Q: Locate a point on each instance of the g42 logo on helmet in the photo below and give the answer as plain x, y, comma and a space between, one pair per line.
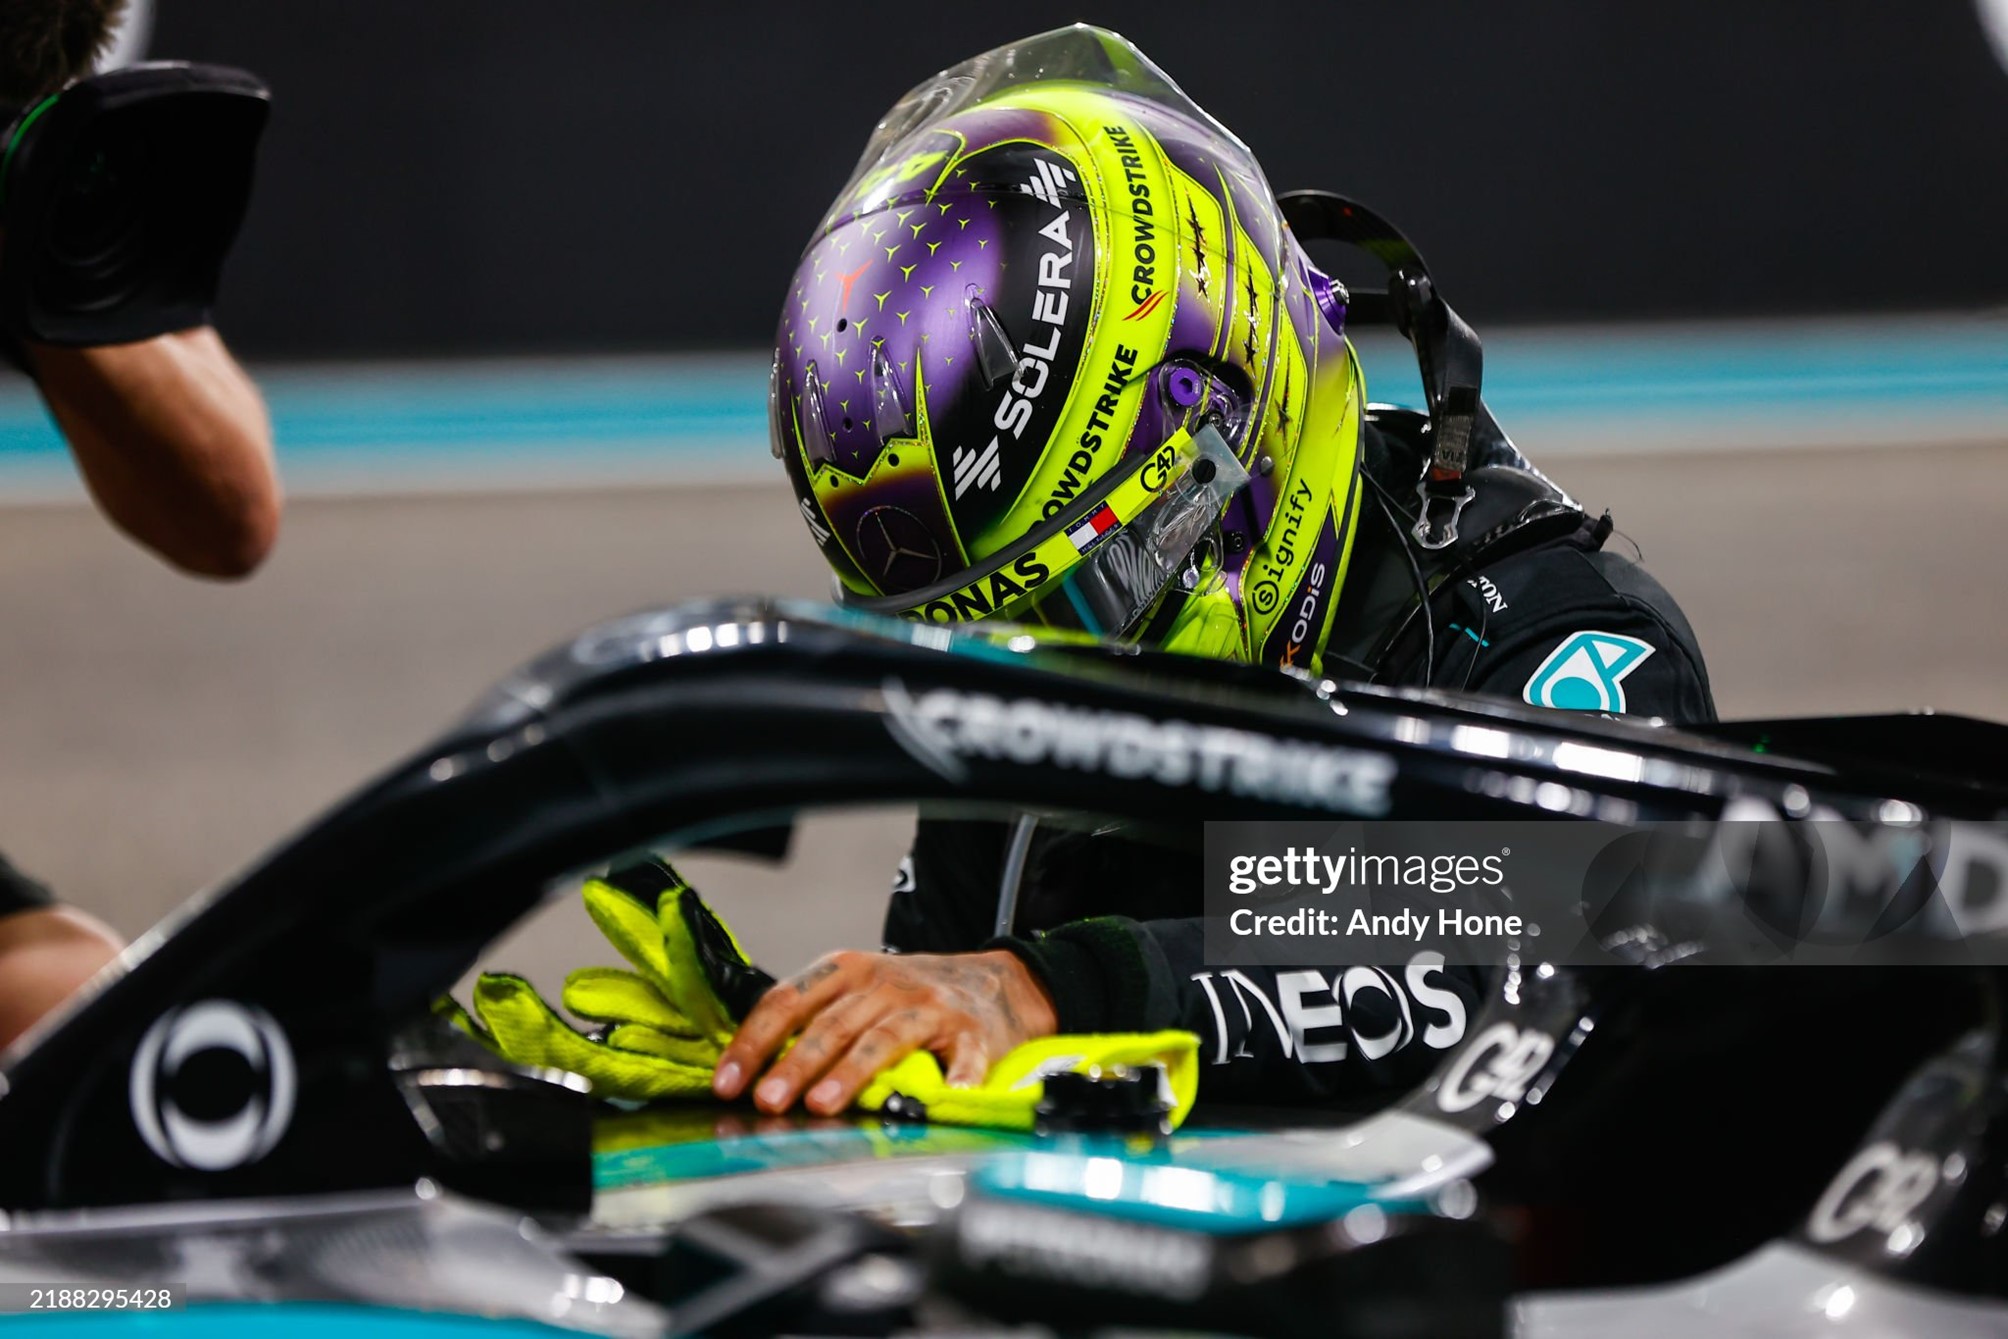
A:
230, 1061
1156, 471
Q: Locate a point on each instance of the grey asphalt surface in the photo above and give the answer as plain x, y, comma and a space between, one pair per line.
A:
157, 733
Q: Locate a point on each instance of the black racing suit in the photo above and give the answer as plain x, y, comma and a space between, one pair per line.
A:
1111, 926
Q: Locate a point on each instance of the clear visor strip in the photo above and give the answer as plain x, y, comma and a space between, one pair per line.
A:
1170, 475
1123, 576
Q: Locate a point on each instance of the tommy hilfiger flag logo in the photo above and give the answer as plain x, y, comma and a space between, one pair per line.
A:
1092, 531
1048, 184
973, 467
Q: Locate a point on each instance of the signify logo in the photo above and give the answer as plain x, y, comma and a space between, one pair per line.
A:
1283, 550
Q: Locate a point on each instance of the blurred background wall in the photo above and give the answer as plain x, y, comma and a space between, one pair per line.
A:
483, 176
1740, 270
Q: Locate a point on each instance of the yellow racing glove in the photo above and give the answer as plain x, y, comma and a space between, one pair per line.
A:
1009, 1096
662, 1025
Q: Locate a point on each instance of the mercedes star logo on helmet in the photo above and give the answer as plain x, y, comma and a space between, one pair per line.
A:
213, 1085
898, 550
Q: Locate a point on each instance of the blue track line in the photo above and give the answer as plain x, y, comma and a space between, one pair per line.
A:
469, 425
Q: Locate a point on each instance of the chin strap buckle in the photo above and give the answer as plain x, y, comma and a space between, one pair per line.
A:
1447, 352
1444, 498
1450, 359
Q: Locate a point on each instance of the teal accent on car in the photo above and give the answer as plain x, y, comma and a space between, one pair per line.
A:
257, 1320
1183, 1194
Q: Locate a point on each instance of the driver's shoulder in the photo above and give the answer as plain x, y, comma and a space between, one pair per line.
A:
1571, 625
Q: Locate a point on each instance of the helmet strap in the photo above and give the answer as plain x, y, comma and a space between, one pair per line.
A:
1447, 351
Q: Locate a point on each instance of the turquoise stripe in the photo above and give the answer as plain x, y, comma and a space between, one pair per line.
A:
642, 416
1180, 1191
292, 1320
699, 1160
1087, 617
1782, 371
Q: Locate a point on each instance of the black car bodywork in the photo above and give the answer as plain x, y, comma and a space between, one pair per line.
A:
1706, 1116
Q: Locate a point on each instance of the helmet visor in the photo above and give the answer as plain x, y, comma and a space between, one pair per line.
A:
1100, 566
1127, 568
903, 145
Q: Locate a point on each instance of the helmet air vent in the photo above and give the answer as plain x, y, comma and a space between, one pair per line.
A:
816, 435
889, 406
774, 417
995, 358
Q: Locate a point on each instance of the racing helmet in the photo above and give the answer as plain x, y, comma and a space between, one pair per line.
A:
1053, 357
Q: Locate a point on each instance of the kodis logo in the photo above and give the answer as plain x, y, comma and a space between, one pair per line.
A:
213, 1085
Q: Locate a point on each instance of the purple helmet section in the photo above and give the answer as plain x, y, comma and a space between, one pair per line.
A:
881, 373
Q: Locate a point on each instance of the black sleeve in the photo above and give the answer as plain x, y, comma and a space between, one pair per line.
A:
1266, 1034
18, 892
944, 897
1583, 631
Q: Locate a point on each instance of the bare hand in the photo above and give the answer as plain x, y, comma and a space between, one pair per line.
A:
45, 954
857, 1013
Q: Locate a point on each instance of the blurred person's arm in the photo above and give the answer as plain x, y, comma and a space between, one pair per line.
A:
45, 954
46, 951
173, 440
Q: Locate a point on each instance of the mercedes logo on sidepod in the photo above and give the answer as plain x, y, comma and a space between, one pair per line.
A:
262, 1110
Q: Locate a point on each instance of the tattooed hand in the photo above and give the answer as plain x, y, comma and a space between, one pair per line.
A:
857, 1013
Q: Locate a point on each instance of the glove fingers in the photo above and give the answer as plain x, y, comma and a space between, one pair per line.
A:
524, 1029
631, 928
692, 937
692, 1051
659, 923
610, 995
733, 985
715, 935
448, 1009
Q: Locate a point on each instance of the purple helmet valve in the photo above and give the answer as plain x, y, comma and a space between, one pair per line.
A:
1331, 297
